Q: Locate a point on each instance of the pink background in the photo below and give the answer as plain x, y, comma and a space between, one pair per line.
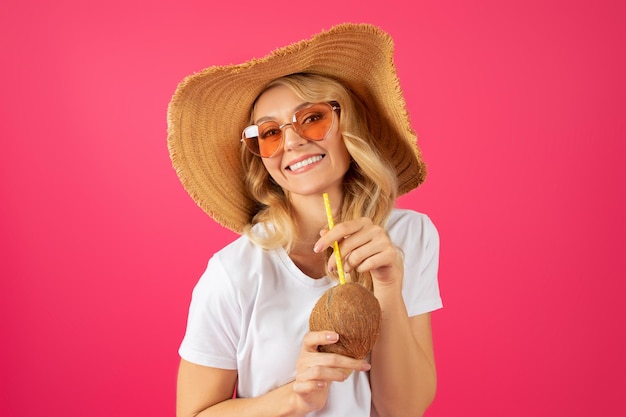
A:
520, 108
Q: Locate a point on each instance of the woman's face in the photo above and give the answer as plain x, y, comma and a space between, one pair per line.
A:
303, 167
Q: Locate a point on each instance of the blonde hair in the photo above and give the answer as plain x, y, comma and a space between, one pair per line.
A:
369, 186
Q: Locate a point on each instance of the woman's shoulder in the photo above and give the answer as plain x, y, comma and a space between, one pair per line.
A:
409, 227
403, 219
235, 260
240, 252
241, 245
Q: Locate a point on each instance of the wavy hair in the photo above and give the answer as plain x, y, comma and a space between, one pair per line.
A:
369, 185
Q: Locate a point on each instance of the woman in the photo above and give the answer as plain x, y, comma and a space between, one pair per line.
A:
323, 115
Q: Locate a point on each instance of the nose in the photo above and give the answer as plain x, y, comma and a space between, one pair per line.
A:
292, 139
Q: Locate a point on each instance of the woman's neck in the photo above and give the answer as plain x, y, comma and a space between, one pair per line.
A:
310, 216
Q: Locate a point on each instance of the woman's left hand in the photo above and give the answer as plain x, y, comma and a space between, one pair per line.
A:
364, 246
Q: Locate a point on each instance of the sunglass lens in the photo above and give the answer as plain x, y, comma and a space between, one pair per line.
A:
263, 140
314, 122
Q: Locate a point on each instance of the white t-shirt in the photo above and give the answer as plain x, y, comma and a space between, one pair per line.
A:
250, 310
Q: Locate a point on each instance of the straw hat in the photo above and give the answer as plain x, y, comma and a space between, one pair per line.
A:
210, 109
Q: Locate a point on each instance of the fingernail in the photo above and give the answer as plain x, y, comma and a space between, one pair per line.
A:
317, 247
333, 337
366, 366
321, 384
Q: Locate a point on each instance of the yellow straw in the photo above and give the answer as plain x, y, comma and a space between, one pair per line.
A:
331, 224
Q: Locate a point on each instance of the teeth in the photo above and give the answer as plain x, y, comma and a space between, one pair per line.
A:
304, 163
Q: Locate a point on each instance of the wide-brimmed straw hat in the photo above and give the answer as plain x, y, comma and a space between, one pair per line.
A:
210, 109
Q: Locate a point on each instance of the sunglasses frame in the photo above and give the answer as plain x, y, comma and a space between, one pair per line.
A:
334, 106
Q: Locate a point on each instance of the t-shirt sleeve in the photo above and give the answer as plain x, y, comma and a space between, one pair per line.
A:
213, 324
419, 239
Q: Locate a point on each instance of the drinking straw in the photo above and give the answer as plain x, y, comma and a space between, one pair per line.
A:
331, 224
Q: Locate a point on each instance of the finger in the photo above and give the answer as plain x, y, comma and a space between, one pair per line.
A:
372, 242
340, 369
377, 261
324, 373
374, 236
338, 233
370, 255
309, 386
341, 363
314, 339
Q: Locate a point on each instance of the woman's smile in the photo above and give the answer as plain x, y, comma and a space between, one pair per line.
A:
300, 164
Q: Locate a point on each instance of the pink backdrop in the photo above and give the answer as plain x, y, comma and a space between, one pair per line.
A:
520, 108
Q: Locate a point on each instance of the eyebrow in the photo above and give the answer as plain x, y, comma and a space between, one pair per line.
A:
298, 108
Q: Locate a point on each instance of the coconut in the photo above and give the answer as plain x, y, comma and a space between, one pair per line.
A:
352, 311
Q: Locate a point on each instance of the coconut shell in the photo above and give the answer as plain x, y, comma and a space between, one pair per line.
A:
352, 311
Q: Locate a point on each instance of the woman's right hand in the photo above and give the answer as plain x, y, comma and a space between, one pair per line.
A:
315, 371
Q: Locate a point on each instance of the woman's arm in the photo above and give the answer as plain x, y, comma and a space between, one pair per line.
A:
204, 392
403, 376
199, 387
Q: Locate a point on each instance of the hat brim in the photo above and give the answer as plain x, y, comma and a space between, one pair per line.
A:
210, 108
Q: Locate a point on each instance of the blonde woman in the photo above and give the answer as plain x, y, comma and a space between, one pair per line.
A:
325, 115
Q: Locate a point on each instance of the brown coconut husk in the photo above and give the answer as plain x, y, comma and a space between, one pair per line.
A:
353, 312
